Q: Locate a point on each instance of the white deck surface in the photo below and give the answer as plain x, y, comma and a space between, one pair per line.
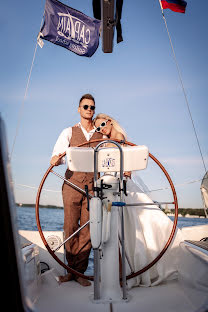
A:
71, 296
167, 297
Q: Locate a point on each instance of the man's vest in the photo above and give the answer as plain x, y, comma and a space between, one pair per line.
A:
77, 139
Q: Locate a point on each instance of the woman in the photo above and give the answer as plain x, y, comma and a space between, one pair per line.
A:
109, 127
147, 228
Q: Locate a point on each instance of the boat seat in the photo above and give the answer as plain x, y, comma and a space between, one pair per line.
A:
203, 243
25, 245
193, 269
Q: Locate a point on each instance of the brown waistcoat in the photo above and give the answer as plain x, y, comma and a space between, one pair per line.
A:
77, 139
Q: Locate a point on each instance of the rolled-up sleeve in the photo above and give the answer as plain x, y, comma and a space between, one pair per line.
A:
62, 143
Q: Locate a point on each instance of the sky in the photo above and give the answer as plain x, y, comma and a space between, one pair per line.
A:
138, 84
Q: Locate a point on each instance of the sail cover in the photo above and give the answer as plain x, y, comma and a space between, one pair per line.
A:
70, 28
204, 190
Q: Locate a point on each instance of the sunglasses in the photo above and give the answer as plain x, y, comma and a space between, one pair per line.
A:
92, 107
103, 124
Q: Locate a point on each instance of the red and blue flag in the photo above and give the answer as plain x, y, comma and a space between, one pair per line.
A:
174, 5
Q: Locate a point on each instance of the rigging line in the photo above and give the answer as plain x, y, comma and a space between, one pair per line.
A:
182, 85
23, 102
177, 185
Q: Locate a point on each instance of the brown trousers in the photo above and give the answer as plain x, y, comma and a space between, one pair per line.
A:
75, 215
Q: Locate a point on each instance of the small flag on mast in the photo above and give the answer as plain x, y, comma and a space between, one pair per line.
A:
70, 28
174, 5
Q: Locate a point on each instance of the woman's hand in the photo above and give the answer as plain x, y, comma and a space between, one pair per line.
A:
127, 174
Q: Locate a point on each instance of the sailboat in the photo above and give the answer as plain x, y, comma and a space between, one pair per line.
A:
204, 192
32, 277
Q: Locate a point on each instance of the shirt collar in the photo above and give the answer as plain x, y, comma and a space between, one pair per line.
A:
83, 129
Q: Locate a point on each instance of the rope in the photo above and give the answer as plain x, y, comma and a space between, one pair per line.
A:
25, 95
182, 85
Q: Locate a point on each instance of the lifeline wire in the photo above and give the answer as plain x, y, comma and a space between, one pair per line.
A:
36, 188
149, 191
182, 85
177, 185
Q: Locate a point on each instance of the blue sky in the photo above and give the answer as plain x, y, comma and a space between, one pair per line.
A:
137, 84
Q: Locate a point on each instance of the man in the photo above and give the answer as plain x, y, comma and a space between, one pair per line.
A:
75, 203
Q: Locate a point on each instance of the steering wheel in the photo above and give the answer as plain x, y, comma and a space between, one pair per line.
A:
134, 274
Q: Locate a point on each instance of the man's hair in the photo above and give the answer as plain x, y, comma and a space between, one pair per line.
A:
88, 97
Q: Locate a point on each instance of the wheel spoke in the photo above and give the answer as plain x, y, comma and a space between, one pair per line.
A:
150, 204
127, 257
79, 189
77, 231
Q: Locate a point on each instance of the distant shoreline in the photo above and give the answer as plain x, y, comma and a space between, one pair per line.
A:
187, 212
186, 216
182, 212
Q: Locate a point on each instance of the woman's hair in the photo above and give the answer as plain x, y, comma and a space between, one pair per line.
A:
113, 122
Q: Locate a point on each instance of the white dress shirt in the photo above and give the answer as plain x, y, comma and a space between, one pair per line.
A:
64, 139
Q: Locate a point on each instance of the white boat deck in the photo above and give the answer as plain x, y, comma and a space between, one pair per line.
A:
72, 297
187, 294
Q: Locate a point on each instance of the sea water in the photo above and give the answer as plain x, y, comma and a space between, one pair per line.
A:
51, 219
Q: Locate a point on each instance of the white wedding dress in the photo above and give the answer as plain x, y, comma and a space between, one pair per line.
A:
147, 230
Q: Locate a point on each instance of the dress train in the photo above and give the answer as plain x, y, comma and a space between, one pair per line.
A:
147, 229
